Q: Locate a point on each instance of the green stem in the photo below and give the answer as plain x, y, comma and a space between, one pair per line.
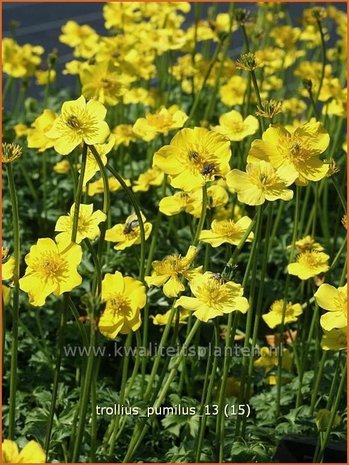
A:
138, 213
282, 325
142, 429
207, 75
334, 409
15, 307
56, 374
202, 215
78, 194
317, 382
323, 57
85, 392
208, 395
125, 364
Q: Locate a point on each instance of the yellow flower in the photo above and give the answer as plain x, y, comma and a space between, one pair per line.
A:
233, 126
124, 297
269, 359
169, 271
104, 82
7, 266
6, 294
335, 302
87, 224
226, 231
194, 157
20, 61
45, 76
97, 187
261, 182
308, 243
152, 177
21, 129
32, 452
191, 202
309, 264
161, 122
233, 92
336, 339
298, 152
92, 166
137, 95
274, 316
52, 268
123, 135
79, 122
73, 34
36, 136
161, 319
62, 167
128, 234
213, 297
84, 38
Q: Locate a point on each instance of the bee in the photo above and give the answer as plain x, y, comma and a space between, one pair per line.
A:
129, 227
194, 156
208, 168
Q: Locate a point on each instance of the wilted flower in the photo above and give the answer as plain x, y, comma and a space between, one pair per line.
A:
10, 152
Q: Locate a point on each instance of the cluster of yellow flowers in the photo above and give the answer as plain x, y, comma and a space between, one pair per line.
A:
224, 158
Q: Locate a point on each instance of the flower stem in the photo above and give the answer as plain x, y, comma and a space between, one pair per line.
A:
202, 216
78, 194
342, 382
15, 308
85, 391
282, 325
59, 355
141, 430
138, 213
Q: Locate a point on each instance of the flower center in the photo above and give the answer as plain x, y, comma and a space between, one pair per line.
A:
73, 122
52, 266
120, 305
226, 228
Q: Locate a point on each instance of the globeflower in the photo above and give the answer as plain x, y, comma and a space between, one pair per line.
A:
169, 271
7, 266
92, 166
152, 177
309, 264
335, 302
124, 298
233, 126
161, 122
194, 157
32, 452
191, 202
213, 297
274, 316
128, 234
88, 222
79, 122
36, 135
161, 319
297, 152
227, 231
97, 187
260, 182
336, 339
52, 268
